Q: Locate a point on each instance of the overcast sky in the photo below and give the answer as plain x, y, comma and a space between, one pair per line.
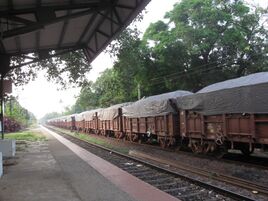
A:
41, 97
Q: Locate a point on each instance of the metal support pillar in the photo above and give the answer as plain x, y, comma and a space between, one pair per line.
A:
2, 106
4, 69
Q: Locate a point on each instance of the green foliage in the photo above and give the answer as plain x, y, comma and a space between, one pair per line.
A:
67, 69
94, 140
49, 116
15, 111
26, 135
199, 43
218, 40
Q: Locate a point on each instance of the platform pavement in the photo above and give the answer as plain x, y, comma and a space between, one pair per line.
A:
52, 172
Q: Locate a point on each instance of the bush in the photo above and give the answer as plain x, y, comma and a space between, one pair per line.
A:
11, 125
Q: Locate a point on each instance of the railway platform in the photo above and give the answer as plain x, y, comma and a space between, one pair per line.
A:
59, 170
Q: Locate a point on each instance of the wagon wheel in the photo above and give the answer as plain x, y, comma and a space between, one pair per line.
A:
128, 137
179, 144
106, 133
197, 148
220, 151
163, 143
134, 137
245, 149
116, 135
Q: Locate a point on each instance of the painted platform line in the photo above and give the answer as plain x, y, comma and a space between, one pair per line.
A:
133, 186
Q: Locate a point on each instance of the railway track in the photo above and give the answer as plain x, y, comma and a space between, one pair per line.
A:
208, 174
237, 159
231, 158
183, 187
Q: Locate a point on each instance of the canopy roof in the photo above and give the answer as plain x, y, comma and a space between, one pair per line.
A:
43, 25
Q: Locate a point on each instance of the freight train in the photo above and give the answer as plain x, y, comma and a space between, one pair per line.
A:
227, 115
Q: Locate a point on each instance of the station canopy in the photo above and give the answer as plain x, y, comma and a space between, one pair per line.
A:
40, 26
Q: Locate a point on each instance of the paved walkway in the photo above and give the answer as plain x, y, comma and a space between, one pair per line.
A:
51, 171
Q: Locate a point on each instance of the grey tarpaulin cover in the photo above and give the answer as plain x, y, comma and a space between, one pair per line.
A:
248, 94
111, 112
80, 116
88, 115
154, 105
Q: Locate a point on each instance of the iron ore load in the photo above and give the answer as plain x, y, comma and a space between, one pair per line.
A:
227, 115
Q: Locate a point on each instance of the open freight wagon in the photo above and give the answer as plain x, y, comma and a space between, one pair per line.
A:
91, 121
153, 119
228, 115
110, 122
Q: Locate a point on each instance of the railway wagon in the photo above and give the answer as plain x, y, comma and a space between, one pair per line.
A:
66, 122
110, 120
61, 122
80, 122
228, 115
70, 122
153, 118
53, 122
91, 121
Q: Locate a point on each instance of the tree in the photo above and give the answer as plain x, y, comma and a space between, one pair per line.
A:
200, 42
86, 99
15, 111
49, 116
214, 40
66, 69
133, 64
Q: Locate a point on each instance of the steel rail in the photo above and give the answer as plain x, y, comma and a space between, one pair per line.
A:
208, 174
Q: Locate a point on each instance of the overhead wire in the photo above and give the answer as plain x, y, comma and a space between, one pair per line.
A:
193, 71
197, 69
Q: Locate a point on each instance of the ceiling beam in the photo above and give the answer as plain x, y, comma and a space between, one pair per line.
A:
117, 16
112, 24
10, 4
27, 57
18, 19
37, 34
94, 32
91, 20
70, 47
34, 60
94, 4
18, 44
96, 41
111, 19
87, 54
126, 7
2, 47
103, 33
39, 25
63, 31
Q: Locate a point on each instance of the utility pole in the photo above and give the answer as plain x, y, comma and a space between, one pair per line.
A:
139, 91
10, 105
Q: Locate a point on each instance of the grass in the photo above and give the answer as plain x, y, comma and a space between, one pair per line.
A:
94, 140
27, 135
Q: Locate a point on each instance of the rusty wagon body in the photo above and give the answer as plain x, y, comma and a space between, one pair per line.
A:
153, 118
227, 115
231, 114
110, 121
91, 121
